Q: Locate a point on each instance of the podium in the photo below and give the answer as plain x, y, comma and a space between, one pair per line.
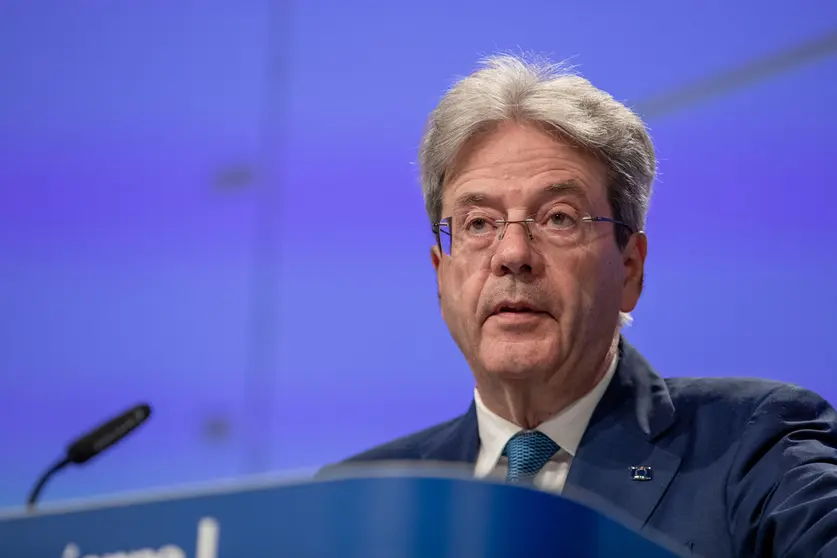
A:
362, 515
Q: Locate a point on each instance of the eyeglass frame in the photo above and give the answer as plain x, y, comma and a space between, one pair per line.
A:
438, 228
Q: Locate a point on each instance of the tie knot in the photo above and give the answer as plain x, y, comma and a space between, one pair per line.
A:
527, 453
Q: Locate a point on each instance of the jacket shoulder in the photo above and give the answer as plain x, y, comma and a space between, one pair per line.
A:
406, 448
730, 390
735, 400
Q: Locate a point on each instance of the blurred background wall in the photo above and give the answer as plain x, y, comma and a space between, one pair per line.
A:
213, 207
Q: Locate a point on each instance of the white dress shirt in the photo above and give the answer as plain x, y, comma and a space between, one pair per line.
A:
565, 429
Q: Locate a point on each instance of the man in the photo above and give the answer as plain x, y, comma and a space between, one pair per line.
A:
537, 185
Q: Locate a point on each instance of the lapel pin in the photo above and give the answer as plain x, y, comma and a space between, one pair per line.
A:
641, 473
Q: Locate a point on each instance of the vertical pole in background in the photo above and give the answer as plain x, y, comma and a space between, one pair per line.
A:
262, 364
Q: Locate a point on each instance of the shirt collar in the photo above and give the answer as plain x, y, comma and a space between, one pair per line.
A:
565, 429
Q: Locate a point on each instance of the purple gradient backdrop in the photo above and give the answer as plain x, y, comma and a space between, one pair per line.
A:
126, 274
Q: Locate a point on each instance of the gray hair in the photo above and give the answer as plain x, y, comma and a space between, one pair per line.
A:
551, 95
510, 88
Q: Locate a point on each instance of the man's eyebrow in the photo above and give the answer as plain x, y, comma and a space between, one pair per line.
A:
470, 198
569, 186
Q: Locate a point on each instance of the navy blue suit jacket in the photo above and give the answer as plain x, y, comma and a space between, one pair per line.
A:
740, 467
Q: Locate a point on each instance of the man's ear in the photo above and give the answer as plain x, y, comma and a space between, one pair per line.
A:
435, 257
633, 258
436, 260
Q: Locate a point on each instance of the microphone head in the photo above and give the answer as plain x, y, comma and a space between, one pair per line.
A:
92, 444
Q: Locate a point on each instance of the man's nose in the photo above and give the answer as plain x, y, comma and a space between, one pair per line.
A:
515, 254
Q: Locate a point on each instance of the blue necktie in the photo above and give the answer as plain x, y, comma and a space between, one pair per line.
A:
527, 453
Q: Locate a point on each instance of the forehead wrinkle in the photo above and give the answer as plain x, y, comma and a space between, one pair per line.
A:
482, 164
489, 149
525, 168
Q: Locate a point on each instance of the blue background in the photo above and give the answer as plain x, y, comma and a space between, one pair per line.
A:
214, 207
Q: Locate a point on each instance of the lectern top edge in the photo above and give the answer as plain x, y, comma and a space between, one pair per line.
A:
422, 469
163, 493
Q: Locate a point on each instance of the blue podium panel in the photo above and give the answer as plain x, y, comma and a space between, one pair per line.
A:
369, 517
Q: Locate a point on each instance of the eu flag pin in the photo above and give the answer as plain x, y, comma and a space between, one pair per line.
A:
641, 473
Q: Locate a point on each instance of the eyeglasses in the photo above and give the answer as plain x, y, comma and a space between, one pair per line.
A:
476, 235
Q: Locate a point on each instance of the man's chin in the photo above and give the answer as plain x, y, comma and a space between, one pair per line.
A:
528, 338
519, 358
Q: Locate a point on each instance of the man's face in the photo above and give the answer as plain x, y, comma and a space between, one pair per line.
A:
517, 306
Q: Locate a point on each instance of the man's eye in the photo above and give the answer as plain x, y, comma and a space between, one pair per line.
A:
561, 220
478, 225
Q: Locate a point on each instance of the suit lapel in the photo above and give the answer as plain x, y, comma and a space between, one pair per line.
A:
459, 442
624, 432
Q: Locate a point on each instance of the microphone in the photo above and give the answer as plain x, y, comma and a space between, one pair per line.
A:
93, 443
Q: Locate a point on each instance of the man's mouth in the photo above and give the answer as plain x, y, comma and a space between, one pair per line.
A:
515, 308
